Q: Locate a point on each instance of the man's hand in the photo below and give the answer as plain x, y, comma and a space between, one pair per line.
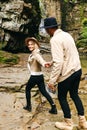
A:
48, 64
52, 87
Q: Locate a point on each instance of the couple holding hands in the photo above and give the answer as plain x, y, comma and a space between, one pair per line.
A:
66, 72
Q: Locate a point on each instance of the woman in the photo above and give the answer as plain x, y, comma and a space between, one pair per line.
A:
35, 62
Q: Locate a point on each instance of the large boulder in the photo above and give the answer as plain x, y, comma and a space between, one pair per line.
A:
18, 19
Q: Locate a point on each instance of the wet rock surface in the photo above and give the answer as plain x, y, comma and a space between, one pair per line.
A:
12, 99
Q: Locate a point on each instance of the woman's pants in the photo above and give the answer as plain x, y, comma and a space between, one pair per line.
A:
37, 80
70, 85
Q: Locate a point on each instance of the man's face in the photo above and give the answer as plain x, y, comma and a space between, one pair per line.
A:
49, 31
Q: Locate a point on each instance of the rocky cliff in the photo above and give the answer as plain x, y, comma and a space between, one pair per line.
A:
70, 14
21, 18
18, 19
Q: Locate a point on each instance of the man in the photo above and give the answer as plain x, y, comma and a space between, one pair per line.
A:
66, 72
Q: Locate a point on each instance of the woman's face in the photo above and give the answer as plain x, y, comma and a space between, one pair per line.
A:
31, 45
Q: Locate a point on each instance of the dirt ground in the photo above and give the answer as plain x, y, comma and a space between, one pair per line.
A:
12, 100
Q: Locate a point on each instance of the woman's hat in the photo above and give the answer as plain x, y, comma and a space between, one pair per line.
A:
50, 23
31, 39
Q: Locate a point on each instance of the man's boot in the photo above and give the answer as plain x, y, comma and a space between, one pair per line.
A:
66, 125
82, 122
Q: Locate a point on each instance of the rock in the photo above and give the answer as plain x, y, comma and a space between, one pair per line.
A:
11, 15
18, 19
13, 77
12, 114
34, 125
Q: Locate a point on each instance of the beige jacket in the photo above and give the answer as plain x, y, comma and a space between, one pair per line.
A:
35, 61
65, 56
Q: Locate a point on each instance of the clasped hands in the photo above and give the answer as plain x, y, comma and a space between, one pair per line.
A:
52, 87
48, 64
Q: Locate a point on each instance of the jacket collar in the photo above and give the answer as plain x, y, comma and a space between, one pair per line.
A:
57, 31
36, 50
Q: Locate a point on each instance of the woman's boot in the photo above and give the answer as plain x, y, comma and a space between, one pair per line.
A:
53, 109
28, 108
66, 125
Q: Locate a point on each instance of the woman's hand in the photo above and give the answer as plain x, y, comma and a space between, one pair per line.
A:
48, 64
52, 87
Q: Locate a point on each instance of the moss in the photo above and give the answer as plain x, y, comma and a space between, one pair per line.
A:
8, 58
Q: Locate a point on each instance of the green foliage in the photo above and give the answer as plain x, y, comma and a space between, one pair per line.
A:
70, 1
82, 41
8, 58
84, 22
83, 34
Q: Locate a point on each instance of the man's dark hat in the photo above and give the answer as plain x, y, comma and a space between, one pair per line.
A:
50, 23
